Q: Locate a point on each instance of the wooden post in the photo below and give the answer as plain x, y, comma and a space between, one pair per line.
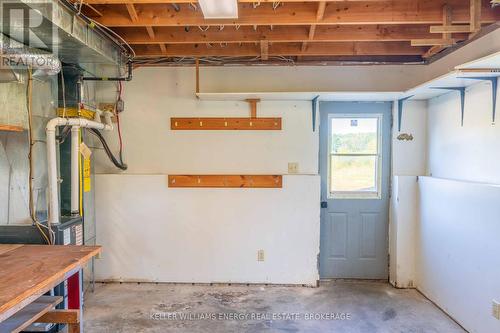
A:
197, 75
475, 16
253, 107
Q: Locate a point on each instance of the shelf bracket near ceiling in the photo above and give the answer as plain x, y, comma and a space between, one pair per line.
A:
494, 89
314, 111
462, 100
400, 110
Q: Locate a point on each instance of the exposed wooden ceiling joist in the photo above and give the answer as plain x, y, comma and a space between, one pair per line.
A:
284, 49
116, 2
314, 29
351, 33
336, 13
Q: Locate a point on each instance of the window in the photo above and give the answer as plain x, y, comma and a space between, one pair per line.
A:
354, 156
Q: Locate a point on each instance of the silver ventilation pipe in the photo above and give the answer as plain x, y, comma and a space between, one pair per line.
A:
16, 55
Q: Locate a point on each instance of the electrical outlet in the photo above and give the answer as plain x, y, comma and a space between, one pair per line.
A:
496, 309
293, 167
260, 255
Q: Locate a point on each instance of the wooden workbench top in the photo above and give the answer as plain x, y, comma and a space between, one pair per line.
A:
29, 271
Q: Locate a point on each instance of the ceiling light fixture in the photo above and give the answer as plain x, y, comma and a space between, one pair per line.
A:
219, 9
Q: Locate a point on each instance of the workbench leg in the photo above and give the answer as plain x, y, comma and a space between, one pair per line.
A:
75, 294
73, 328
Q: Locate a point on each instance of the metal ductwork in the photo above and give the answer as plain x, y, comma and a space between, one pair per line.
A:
64, 34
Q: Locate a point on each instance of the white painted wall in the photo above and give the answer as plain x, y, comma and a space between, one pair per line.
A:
153, 233
408, 162
465, 153
457, 252
410, 157
403, 223
457, 234
156, 95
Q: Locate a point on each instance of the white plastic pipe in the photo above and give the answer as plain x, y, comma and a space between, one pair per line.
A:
50, 130
75, 184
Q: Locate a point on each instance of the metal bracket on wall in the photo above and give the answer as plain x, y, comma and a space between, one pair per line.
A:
314, 111
462, 100
494, 89
400, 110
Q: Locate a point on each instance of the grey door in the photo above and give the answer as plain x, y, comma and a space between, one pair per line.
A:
355, 169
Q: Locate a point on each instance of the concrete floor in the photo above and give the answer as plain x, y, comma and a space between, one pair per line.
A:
346, 306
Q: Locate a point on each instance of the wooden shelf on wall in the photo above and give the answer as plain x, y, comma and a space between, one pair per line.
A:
10, 128
226, 181
225, 123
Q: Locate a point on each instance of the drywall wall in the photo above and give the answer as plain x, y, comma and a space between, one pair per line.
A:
153, 233
469, 152
156, 95
404, 219
308, 78
206, 235
457, 247
410, 156
408, 161
457, 234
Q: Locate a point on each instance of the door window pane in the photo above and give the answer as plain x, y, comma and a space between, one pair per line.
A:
353, 173
354, 156
354, 135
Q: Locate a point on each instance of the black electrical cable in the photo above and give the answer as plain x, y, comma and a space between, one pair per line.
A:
118, 164
64, 134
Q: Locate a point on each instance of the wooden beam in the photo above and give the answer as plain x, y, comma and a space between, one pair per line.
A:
11, 128
284, 49
69, 317
347, 33
447, 20
446, 35
253, 106
432, 42
475, 15
151, 32
312, 30
197, 69
264, 50
226, 124
383, 12
450, 28
320, 13
163, 48
117, 2
132, 12
226, 181
433, 51
60, 317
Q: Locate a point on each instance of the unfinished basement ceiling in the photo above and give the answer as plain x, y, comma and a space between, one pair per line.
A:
290, 31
